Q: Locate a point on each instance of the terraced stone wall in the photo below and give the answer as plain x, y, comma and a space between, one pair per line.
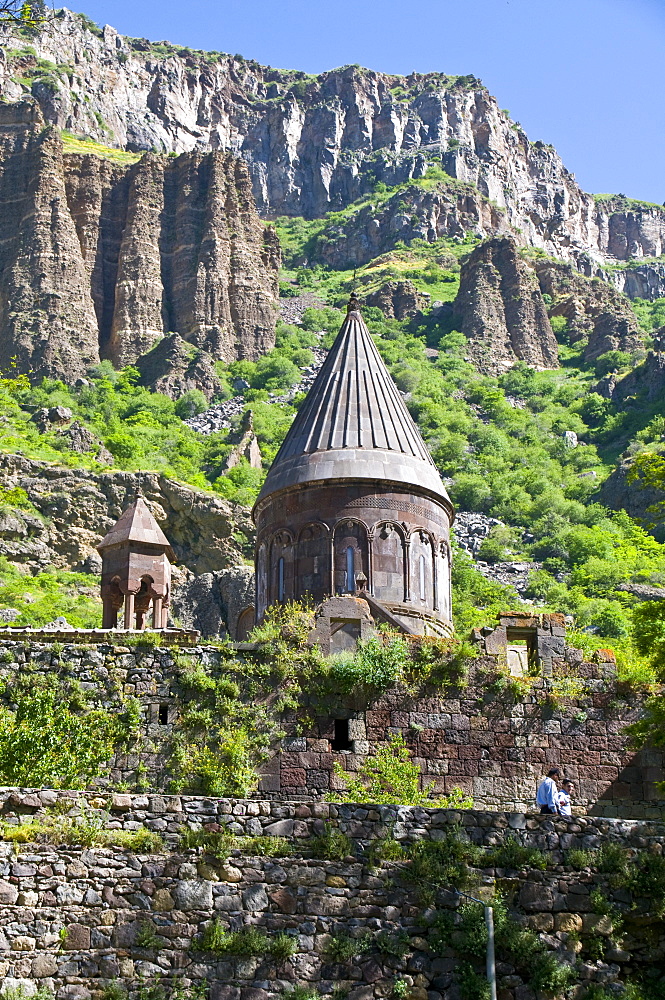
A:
74, 919
172, 815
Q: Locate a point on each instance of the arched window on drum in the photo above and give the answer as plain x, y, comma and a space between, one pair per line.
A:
281, 568
422, 570
388, 563
351, 562
313, 563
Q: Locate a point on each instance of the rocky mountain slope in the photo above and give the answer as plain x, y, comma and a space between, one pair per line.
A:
318, 142
70, 510
99, 260
500, 309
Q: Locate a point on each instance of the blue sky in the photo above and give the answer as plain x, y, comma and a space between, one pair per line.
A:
584, 75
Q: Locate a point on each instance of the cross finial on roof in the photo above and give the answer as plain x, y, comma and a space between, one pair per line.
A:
353, 304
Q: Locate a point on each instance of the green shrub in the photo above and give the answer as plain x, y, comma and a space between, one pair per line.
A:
472, 985
645, 878
512, 854
265, 846
141, 841
114, 990
549, 975
384, 849
218, 843
611, 859
87, 830
343, 948
301, 993
579, 860
45, 741
245, 943
282, 947
146, 936
442, 662
21, 993
378, 662
594, 947
387, 777
442, 864
331, 845
190, 404
394, 945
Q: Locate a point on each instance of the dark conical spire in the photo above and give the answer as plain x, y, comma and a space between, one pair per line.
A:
354, 423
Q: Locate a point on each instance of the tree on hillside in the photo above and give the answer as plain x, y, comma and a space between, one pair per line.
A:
25, 13
649, 637
648, 472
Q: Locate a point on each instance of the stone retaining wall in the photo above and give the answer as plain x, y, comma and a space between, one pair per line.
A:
172, 815
74, 920
494, 739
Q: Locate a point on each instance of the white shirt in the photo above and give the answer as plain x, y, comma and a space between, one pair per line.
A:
565, 807
548, 794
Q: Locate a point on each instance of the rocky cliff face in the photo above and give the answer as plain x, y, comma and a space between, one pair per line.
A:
595, 312
447, 209
99, 260
639, 281
501, 311
47, 319
74, 508
316, 143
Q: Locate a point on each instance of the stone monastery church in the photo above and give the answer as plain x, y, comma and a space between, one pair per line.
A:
353, 503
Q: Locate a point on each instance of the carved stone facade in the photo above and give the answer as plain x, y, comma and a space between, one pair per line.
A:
353, 503
345, 539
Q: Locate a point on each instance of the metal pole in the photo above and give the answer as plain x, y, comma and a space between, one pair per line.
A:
491, 971
489, 923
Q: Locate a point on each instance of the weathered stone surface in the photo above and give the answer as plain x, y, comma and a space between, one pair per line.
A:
255, 898
193, 895
8, 893
595, 312
398, 299
213, 602
501, 310
536, 897
284, 900
568, 922
100, 260
43, 966
78, 937
47, 319
173, 367
162, 901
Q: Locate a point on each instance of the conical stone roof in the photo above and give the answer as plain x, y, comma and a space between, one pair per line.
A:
354, 424
136, 524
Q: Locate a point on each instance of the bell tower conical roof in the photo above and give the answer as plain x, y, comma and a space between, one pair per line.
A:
354, 424
136, 524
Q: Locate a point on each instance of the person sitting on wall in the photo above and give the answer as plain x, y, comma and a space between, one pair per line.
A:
547, 796
565, 797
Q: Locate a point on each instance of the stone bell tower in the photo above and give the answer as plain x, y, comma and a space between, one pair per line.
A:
136, 569
353, 503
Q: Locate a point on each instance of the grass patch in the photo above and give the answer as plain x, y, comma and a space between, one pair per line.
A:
84, 832
83, 146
